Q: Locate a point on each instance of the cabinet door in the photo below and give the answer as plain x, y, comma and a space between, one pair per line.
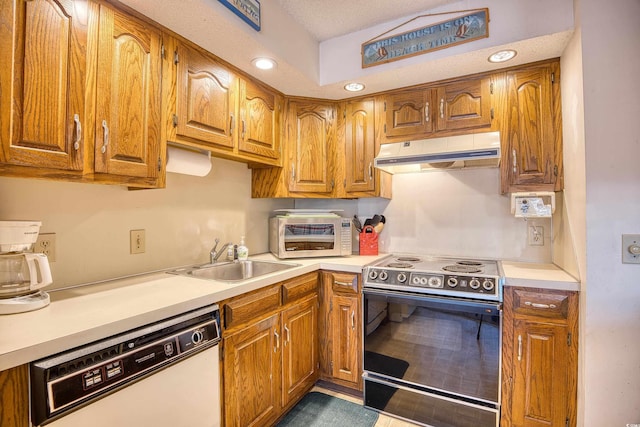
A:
311, 133
299, 349
540, 389
128, 109
408, 115
206, 98
42, 81
14, 395
464, 105
529, 137
260, 111
252, 374
344, 330
359, 146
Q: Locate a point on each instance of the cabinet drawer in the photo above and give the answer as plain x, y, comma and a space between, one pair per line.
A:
541, 303
345, 282
249, 307
299, 287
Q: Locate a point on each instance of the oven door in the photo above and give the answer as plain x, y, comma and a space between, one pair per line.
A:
425, 353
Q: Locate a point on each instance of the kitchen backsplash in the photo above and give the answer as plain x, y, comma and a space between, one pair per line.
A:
457, 212
444, 213
92, 222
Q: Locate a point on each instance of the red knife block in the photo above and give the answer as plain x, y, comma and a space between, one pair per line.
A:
368, 241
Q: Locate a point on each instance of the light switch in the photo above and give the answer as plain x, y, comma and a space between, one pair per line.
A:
631, 248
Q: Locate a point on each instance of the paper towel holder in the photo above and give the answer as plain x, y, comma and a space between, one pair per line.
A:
528, 204
196, 158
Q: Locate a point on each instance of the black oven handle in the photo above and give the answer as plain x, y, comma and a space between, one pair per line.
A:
459, 304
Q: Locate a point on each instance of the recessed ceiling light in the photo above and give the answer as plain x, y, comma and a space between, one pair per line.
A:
264, 63
502, 56
354, 87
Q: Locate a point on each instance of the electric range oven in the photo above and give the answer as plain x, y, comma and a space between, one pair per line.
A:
432, 339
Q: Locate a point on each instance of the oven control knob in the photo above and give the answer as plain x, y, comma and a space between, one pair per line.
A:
452, 282
487, 285
415, 280
373, 275
435, 282
402, 277
474, 284
384, 275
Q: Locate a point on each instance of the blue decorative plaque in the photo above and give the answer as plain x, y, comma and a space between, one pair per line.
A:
441, 35
247, 10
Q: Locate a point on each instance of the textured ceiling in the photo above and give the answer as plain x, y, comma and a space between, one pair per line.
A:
325, 19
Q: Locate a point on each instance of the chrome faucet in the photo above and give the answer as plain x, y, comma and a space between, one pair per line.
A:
214, 254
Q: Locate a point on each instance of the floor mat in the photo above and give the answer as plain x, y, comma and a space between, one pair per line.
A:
321, 410
378, 395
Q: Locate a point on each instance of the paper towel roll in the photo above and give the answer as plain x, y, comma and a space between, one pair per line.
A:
188, 162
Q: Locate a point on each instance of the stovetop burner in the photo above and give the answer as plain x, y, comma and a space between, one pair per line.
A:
469, 262
463, 268
408, 259
399, 265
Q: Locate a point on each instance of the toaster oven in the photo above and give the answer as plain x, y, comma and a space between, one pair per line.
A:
309, 236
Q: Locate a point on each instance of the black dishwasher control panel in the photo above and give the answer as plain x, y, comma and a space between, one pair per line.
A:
72, 379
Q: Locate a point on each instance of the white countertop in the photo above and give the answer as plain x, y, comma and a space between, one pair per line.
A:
81, 315
84, 314
538, 275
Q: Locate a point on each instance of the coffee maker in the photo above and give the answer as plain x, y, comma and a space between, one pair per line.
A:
22, 273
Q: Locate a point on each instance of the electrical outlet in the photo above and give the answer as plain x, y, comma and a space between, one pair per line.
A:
536, 235
46, 244
137, 241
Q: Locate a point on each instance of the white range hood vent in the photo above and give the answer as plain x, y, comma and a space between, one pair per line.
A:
453, 152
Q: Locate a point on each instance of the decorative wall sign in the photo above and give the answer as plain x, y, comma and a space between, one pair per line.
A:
441, 35
247, 10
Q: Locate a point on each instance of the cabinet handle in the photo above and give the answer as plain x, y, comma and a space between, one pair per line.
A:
275, 333
538, 305
288, 335
426, 112
105, 137
515, 165
442, 108
353, 320
370, 171
243, 129
231, 124
293, 173
76, 143
519, 348
347, 284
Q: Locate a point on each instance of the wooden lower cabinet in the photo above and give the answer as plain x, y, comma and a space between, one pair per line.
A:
14, 397
540, 348
340, 321
270, 358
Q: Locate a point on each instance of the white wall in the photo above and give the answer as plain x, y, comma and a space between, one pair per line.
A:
92, 222
458, 213
611, 298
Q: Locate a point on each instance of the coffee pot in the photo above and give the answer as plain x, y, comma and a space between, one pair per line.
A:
23, 273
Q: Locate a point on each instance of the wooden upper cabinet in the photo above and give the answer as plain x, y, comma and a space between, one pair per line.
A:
260, 110
128, 99
407, 115
206, 94
311, 137
360, 146
532, 130
42, 81
464, 105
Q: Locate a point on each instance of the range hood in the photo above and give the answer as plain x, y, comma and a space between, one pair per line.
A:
453, 152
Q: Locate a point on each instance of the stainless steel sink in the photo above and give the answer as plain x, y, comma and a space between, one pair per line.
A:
233, 271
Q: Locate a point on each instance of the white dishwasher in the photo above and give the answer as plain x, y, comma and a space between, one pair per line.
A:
162, 375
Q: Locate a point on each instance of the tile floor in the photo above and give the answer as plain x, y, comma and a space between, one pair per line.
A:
383, 420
